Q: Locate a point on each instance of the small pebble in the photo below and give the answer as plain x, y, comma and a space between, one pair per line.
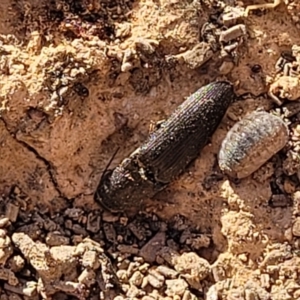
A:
12, 212
144, 282
136, 278
226, 67
122, 275
296, 227
130, 249
176, 287
149, 251
167, 272
155, 280
4, 222
133, 292
109, 217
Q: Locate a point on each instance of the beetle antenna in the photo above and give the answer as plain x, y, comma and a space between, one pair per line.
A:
109, 163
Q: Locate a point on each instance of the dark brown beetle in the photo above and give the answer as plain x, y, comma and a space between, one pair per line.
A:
168, 150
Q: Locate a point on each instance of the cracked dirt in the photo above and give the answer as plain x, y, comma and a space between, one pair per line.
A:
78, 79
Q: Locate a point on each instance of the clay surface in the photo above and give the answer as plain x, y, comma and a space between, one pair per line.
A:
78, 79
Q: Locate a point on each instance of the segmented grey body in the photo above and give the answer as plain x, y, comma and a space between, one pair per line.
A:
251, 142
168, 150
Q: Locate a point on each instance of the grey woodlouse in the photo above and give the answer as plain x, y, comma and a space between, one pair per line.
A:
168, 150
251, 142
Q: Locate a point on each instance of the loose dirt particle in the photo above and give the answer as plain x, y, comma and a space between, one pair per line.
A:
296, 227
149, 251
193, 268
176, 287
136, 278
166, 272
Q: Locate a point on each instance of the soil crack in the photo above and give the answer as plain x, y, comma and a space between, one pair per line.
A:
31, 149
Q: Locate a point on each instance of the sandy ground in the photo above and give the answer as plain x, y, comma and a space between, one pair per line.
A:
81, 78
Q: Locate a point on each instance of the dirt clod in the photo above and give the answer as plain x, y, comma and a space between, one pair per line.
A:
296, 227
